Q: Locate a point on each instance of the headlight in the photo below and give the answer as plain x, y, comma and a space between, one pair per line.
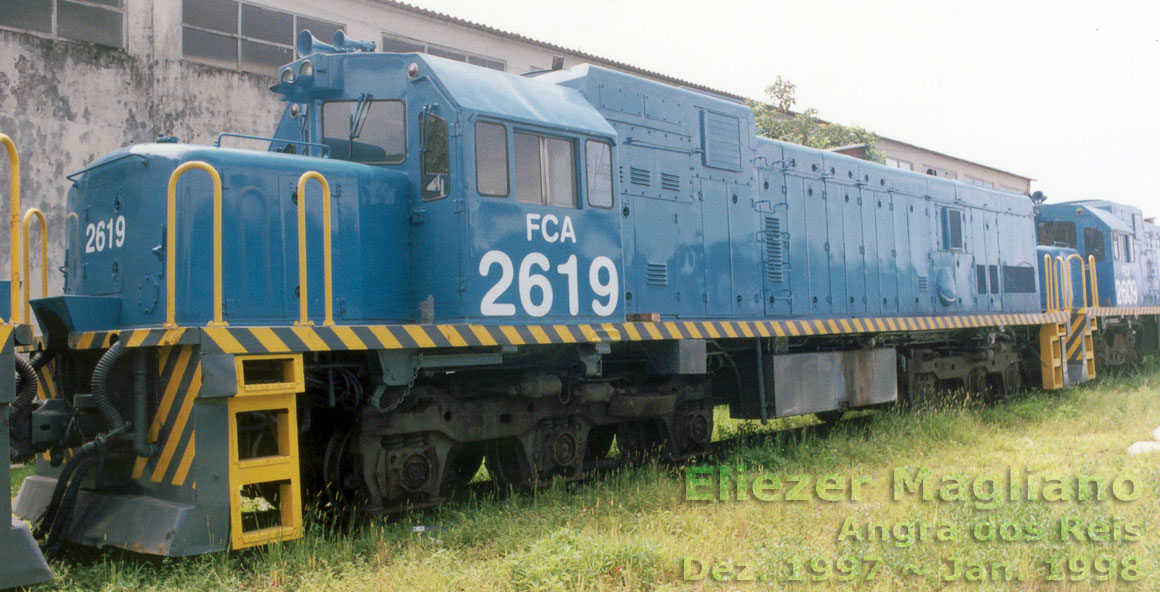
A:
288, 75
307, 69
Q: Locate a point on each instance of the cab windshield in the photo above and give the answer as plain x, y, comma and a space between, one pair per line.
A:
365, 130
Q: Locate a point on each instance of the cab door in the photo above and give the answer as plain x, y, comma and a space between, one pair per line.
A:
437, 216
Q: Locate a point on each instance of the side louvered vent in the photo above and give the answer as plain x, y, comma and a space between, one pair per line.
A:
658, 274
670, 182
923, 283
640, 176
774, 251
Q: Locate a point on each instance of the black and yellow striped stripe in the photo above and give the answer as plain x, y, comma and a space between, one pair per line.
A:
1123, 311
1077, 329
172, 428
136, 338
237, 340
6, 337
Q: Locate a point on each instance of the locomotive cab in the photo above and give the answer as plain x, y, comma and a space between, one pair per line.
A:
512, 204
1096, 233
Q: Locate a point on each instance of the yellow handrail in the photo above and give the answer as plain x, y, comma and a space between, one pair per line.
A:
1082, 275
1095, 284
14, 224
171, 244
1048, 287
43, 259
327, 287
1064, 275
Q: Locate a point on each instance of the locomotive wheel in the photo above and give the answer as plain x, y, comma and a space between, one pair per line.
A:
694, 434
462, 465
976, 382
1005, 383
640, 440
923, 388
506, 464
599, 442
341, 485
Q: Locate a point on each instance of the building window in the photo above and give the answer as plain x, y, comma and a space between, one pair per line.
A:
101, 22
545, 170
895, 163
937, 172
969, 180
244, 37
394, 44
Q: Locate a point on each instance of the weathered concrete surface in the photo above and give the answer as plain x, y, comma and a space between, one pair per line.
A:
65, 103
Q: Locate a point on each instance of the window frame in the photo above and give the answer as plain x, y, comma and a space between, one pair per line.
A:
322, 128
588, 175
507, 158
545, 181
424, 129
54, 24
1100, 252
238, 36
945, 227
1053, 227
441, 51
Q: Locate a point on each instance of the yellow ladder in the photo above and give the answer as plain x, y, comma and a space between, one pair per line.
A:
267, 385
1051, 355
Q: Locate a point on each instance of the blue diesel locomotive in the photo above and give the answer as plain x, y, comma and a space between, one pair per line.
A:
435, 265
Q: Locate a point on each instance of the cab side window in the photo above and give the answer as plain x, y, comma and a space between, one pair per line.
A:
1093, 241
436, 166
598, 158
491, 159
545, 170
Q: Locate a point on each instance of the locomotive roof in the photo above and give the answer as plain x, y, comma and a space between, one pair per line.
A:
517, 98
1105, 217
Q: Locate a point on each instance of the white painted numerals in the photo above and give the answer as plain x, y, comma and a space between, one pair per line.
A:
1127, 292
535, 289
106, 234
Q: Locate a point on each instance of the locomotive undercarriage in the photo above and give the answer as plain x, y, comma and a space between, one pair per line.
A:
980, 363
1119, 341
410, 445
389, 432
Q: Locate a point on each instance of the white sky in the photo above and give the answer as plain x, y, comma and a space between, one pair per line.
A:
1064, 91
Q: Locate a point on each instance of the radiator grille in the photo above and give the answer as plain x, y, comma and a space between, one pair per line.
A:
670, 182
657, 274
923, 283
639, 176
774, 251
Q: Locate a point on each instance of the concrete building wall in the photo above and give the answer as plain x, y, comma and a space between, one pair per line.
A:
909, 157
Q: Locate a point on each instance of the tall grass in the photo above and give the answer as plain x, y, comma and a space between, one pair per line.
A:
634, 529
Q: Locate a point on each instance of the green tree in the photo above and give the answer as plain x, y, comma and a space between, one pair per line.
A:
777, 120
